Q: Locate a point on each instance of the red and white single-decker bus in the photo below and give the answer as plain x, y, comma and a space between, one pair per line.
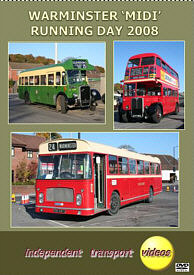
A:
80, 177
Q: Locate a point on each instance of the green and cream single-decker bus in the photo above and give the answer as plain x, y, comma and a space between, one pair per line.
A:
63, 85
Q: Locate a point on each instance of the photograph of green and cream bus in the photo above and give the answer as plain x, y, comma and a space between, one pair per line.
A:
63, 85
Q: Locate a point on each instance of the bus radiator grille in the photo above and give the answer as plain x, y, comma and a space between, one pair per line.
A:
59, 194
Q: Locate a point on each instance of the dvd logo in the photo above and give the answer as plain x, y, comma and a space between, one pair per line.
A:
182, 267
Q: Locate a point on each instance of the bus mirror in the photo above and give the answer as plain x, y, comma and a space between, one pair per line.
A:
98, 160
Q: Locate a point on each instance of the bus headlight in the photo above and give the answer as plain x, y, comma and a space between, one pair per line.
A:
41, 197
75, 95
78, 199
94, 93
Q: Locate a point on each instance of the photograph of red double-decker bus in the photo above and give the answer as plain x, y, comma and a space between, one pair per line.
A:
150, 89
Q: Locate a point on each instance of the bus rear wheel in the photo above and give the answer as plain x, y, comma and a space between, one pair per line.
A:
157, 115
61, 104
114, 204
151, 196
27, 98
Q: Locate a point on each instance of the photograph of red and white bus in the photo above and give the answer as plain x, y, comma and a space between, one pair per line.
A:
150, 89
80, 177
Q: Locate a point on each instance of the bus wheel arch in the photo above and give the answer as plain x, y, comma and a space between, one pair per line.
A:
27, 98
61, 103
151, 195
115, 203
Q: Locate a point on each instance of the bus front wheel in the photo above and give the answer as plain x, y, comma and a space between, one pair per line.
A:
114, 204
157, 115
151, 196
27, 98
92, 106
61, 104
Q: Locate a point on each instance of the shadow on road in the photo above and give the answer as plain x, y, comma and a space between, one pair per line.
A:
30, 209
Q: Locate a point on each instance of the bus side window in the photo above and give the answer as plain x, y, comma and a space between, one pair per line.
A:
36, 80
158, 61
64, 82
165, 91
157, 169
22, 80
58, 78
146, 167
43, 79
152, 168
31, 80
169, 92
26, 80
140, 167
113, 169
51, 79
123, 167
132, 166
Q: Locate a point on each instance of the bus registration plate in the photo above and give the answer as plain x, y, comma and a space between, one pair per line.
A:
55, 210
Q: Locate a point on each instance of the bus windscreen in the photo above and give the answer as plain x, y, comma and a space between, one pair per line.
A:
66, 166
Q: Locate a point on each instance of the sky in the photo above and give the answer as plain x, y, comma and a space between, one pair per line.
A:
172, 52
94, 52
149, 143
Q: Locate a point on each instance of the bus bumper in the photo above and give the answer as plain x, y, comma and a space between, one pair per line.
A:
63, 210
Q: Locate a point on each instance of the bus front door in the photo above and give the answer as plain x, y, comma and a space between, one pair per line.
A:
99, 181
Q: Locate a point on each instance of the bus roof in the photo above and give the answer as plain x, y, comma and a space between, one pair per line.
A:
89, 146
67, 65
148, 55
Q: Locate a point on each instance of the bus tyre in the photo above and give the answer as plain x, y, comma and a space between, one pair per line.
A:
157, 115
125, 117
151, 196
176, 109
92, 106
27, 98
114, 204
61, 104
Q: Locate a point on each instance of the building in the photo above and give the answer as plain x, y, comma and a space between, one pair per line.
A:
97, 81
15, 69
24, 147
170, 169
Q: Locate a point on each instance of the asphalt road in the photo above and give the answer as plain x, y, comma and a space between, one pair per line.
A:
163, 212
39, 113
170, 121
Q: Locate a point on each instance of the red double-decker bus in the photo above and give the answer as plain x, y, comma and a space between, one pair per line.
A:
150, 88
84, 178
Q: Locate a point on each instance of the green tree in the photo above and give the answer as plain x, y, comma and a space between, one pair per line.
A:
127, 147
22, 172
49, 136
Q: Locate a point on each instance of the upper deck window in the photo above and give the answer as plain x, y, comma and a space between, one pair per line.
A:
148, 60
158, 61
134, 62
163, 66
